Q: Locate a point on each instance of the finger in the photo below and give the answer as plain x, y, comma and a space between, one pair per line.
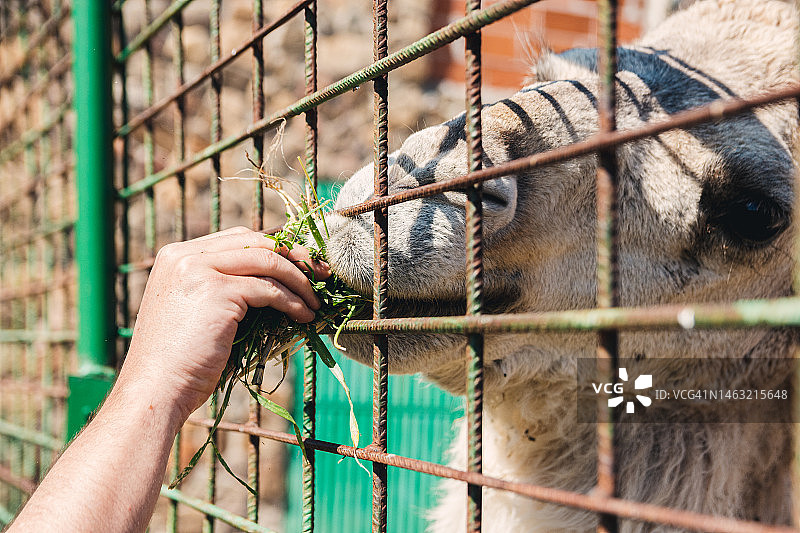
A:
183, 248
265, 263
269, 292
299, 255
236, 230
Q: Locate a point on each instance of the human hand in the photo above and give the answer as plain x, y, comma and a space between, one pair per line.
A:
196, 294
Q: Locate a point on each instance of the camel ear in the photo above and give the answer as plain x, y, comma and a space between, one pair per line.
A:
578, 63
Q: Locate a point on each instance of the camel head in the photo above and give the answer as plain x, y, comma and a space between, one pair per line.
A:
704, 213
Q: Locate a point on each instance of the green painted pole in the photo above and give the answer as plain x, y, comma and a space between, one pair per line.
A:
94, 167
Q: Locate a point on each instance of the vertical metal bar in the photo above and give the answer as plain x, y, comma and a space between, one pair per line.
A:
607, 290
124, 180
179, 127
796, 376
216, 135
26, 418
65, 141
309, 432
94, 250
16, 408
48, 264
254, 416
380, 387
258, 112
474, 269
310, 18
149, 137
216, 127
310, 359
180, 218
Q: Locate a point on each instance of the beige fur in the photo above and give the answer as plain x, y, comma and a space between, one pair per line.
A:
676, 245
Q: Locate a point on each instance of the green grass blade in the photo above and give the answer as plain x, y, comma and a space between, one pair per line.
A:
281, 412
227, 468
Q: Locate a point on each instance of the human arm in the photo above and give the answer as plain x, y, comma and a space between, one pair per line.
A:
108, 479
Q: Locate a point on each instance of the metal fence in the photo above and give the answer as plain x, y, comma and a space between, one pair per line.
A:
36, 245
37, 217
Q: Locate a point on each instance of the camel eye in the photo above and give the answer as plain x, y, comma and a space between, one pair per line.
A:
753, 220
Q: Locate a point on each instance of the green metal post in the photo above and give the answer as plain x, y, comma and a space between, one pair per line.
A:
94, 231
94, 236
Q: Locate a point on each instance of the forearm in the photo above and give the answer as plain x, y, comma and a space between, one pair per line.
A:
109, 477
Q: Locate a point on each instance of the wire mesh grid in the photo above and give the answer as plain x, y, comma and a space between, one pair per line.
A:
135, 142
37, 214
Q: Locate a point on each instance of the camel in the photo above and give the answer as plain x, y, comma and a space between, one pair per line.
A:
704, 216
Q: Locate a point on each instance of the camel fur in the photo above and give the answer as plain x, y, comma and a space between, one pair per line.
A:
704, 216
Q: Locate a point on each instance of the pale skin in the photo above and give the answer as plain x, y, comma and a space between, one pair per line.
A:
109, 478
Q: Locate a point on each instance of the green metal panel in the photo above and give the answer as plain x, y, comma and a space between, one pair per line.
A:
420, 425
85, 396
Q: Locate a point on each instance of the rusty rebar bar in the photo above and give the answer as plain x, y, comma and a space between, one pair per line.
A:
607, 294
717, 110
254, 409
474, 271
397, 59
380, 292
213, 68
309, 421
641, 512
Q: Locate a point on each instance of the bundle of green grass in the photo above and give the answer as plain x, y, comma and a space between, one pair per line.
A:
269, 336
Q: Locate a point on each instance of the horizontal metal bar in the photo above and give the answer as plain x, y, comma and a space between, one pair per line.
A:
209, 509
780, 312
46, 30
36, 288
623, 508
6, 516
24, 484
28, 435
35, 389
59, 68
162, 104
32, 135
26, 335
151, 29
46, 230
12, 198
144, 264
125, 333
716, 110
427, 44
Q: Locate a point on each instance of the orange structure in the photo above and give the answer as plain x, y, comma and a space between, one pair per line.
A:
510, 45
